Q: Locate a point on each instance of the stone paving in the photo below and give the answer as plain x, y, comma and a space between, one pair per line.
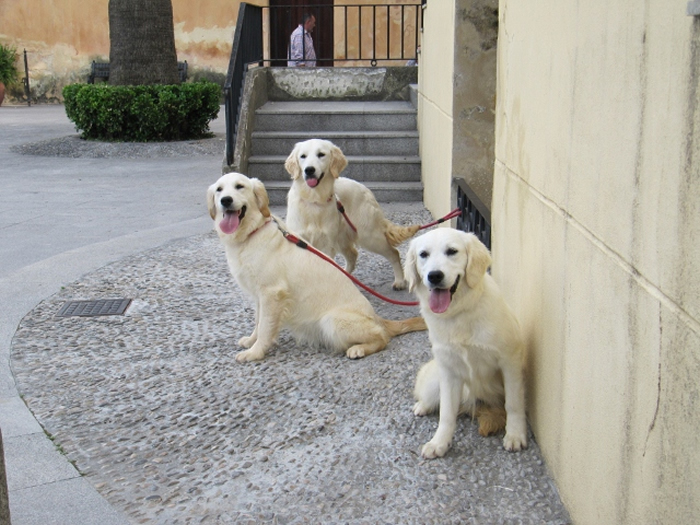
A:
152, 408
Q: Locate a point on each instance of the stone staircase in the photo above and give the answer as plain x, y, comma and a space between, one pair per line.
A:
379, 139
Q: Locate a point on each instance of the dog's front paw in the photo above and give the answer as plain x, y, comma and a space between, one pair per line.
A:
399, 285
246, 342
514, 442
420, 409
434, 449
249, 355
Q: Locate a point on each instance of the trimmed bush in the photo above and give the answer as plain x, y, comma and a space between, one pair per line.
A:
151, 113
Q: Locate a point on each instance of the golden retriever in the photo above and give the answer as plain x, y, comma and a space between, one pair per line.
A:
476, 342
315, 166
292, 287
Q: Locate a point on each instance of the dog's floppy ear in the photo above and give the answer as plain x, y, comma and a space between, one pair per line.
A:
338, 161
410, 269
261, 197
478, 260
292, 163
211, 200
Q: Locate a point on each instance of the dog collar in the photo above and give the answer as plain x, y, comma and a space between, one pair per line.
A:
259, 228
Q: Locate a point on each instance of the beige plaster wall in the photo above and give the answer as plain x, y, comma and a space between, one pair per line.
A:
63, 37
435, 103
595, 220
398, 23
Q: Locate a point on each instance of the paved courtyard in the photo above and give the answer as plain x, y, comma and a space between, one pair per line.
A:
147, 418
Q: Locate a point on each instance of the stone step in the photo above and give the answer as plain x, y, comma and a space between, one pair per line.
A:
363, 169
321, 116
383, 191
391, 143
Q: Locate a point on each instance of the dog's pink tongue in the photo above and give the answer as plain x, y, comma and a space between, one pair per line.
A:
440, 300
229, 223
312, 183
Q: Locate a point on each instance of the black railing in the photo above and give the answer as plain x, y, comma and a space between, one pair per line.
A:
475, 216
350, 35
247, 49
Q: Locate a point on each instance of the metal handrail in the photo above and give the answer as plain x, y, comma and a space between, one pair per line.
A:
402, 43
247, 49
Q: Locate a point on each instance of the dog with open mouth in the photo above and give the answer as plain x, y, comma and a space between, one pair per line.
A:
319, 196
292, 287
478, 350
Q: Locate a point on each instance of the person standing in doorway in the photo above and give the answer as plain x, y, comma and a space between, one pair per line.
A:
301, 48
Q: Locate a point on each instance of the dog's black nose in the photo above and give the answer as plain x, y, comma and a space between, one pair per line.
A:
226, 201
310, 170
435, 277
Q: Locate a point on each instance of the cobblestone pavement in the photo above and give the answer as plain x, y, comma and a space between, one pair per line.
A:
153, 409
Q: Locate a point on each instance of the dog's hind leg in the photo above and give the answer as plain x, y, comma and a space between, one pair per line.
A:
395, 260
516, 422
357, 334
350, 256
364, 349
391, 254
427, 389
271, 307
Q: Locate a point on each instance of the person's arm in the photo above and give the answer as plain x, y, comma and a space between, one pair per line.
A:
296, 48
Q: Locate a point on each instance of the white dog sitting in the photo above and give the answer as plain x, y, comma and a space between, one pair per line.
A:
477, 346
313, 214
292, 287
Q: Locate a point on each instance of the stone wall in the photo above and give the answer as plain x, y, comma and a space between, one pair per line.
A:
475, 53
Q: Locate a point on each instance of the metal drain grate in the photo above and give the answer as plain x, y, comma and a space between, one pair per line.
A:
94, 308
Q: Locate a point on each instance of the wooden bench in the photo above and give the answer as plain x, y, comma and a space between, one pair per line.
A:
101, 70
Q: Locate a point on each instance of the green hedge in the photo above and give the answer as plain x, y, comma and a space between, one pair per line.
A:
150, 113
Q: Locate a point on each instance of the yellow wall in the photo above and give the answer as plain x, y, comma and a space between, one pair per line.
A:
595, 226
62, 37
375, 21
435, 100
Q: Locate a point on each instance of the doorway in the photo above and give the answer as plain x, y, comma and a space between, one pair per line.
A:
285, 16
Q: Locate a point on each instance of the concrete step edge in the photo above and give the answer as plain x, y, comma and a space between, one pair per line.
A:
340, 108
334, 134
394, 159
276, 185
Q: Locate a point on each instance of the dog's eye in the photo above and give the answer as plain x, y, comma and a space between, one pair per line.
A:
321, 155
219, 189
450, 252
239, 186
423, 254
302, 156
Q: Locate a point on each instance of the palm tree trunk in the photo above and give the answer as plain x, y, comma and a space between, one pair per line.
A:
142, 43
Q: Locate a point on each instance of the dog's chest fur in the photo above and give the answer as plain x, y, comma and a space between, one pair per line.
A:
250, 262
318, 223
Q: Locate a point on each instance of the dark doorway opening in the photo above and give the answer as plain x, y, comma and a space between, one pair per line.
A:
285, 16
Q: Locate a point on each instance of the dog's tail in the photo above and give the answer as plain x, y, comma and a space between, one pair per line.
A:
491, 419
412, 324
396, 234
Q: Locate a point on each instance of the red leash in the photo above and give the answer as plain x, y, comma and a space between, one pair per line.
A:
454, 213
341, 209
301, 244
306, 246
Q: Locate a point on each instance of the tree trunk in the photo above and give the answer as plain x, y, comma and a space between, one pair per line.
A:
142, 43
